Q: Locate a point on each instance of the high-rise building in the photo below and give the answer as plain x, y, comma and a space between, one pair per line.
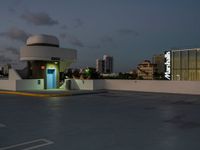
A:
108, 61
100, 65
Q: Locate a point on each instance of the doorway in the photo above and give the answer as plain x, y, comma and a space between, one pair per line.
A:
51, 78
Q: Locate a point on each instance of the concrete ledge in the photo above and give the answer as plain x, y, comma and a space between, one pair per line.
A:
35, 94
56, 93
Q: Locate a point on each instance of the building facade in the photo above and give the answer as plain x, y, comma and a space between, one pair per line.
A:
146, 70
108, 64
100, 65
105, 65
184, 64
159, 61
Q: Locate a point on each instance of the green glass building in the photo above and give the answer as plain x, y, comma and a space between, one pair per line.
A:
185, 64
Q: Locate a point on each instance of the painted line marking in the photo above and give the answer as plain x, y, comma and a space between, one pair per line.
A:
2, 125
45, 143
36, 94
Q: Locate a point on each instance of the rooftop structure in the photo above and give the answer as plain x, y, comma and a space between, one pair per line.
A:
46, 60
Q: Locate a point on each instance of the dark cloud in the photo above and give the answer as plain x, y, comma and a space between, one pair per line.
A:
13, 50
63, 35
72, 40
39, 18
12, 10
4, 59
106, 39
15, 34
78, 23
15, 6
127, 32
10, 55
94, 46
64, 27
76, 42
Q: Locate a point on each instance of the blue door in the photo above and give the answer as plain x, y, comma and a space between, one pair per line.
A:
51, 78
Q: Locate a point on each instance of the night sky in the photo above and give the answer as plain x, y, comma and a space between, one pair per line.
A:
128, 30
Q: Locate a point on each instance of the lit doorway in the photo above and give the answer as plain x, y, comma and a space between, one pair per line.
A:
51, 78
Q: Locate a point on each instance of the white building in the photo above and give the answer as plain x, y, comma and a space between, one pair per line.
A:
46, 60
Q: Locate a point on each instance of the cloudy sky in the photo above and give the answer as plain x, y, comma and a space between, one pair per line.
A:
128, 30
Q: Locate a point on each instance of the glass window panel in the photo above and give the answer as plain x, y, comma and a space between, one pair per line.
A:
184, 74
176, 59
192, 59
176, 74
198, 74
184, 59
198, 59
192, 74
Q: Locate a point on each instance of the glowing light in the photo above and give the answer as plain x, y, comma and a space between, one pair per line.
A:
168, 65
42, 67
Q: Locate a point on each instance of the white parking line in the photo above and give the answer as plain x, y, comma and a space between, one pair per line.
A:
2, 125
46, 142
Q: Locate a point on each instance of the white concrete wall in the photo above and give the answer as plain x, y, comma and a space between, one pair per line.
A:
13, 75
8, 85
29, 84
81, 84
99, 84
184, 87
87, 84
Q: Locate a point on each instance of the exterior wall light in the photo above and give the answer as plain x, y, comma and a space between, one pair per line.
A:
42, 67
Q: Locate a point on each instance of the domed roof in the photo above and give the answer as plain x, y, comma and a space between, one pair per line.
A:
42, 40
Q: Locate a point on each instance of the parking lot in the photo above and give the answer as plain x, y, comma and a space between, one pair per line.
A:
105, 121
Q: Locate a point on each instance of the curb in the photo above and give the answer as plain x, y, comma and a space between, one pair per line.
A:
35, 94
51, 94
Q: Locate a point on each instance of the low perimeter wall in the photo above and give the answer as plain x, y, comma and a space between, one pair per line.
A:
183, 87
22, 85
8, 85
29, 84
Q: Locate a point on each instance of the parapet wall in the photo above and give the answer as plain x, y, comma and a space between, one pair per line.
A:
182, 87
8, 85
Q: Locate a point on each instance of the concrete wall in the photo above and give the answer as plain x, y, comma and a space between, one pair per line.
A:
81, 84
8, 85
22, 85
87, 84
29, 84
184, 87
99, 84
13, 75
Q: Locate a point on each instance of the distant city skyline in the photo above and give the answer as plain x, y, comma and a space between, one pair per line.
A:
128, 30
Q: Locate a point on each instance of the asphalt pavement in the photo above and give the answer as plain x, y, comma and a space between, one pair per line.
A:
111, 120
